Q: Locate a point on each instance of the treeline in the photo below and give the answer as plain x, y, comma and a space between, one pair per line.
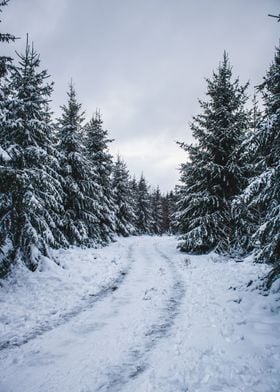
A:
59, 183
229, 199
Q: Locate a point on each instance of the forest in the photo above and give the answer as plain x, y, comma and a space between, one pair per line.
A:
60, 185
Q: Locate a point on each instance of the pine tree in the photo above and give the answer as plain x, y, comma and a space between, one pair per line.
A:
133, 186
262, 196
157, 212
172, 199
97, 149
246, 220
124, 213
166, 220
7, 178
81, 208
31, 218
7, 174
213, 175
143, 208
5, 37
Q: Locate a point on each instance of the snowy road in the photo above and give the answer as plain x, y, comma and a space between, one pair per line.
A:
173, 323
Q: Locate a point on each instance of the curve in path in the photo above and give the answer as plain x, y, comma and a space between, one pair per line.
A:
107, 345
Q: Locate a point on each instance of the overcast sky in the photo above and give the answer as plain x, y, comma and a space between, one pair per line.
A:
144, 63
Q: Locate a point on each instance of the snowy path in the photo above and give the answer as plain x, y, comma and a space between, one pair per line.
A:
169, 325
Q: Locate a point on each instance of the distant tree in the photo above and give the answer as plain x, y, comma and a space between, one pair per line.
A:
97, 143
143, 208
133, 185
157, 212
213, 175
166, 218
124, 213
172, 200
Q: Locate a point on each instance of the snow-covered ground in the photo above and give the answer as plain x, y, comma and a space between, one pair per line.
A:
139, 316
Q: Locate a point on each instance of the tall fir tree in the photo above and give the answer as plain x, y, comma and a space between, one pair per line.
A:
172, 199
80, 218
262, 196
124, 213
97, 142
133, 186
143, 208
213, 175
157, 212
246, 220
7, 178
32, 218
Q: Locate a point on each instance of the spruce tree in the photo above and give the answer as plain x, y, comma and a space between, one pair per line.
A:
157, 213
172, 199
262, 196
32, 217
97, 142
7, 178
213, 174
80, 218
246, 220
166, 221
124, 213
133, 186
7, 174
143, 208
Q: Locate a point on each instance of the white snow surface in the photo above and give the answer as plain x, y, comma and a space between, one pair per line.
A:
139, 316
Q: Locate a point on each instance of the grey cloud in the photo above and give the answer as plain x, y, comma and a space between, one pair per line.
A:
143, 63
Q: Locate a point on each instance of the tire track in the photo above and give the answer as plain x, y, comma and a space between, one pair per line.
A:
136, 361
86, 305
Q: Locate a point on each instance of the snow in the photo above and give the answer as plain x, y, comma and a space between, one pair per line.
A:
140, 316
4, 155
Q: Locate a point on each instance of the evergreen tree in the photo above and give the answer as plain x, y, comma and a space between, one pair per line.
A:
262, 196
7, 178
172, 199
124, 214
143, 208
80, 186
30, 215
157, 213
166, 219
246, 220
133, 186
213, 175
97, 149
